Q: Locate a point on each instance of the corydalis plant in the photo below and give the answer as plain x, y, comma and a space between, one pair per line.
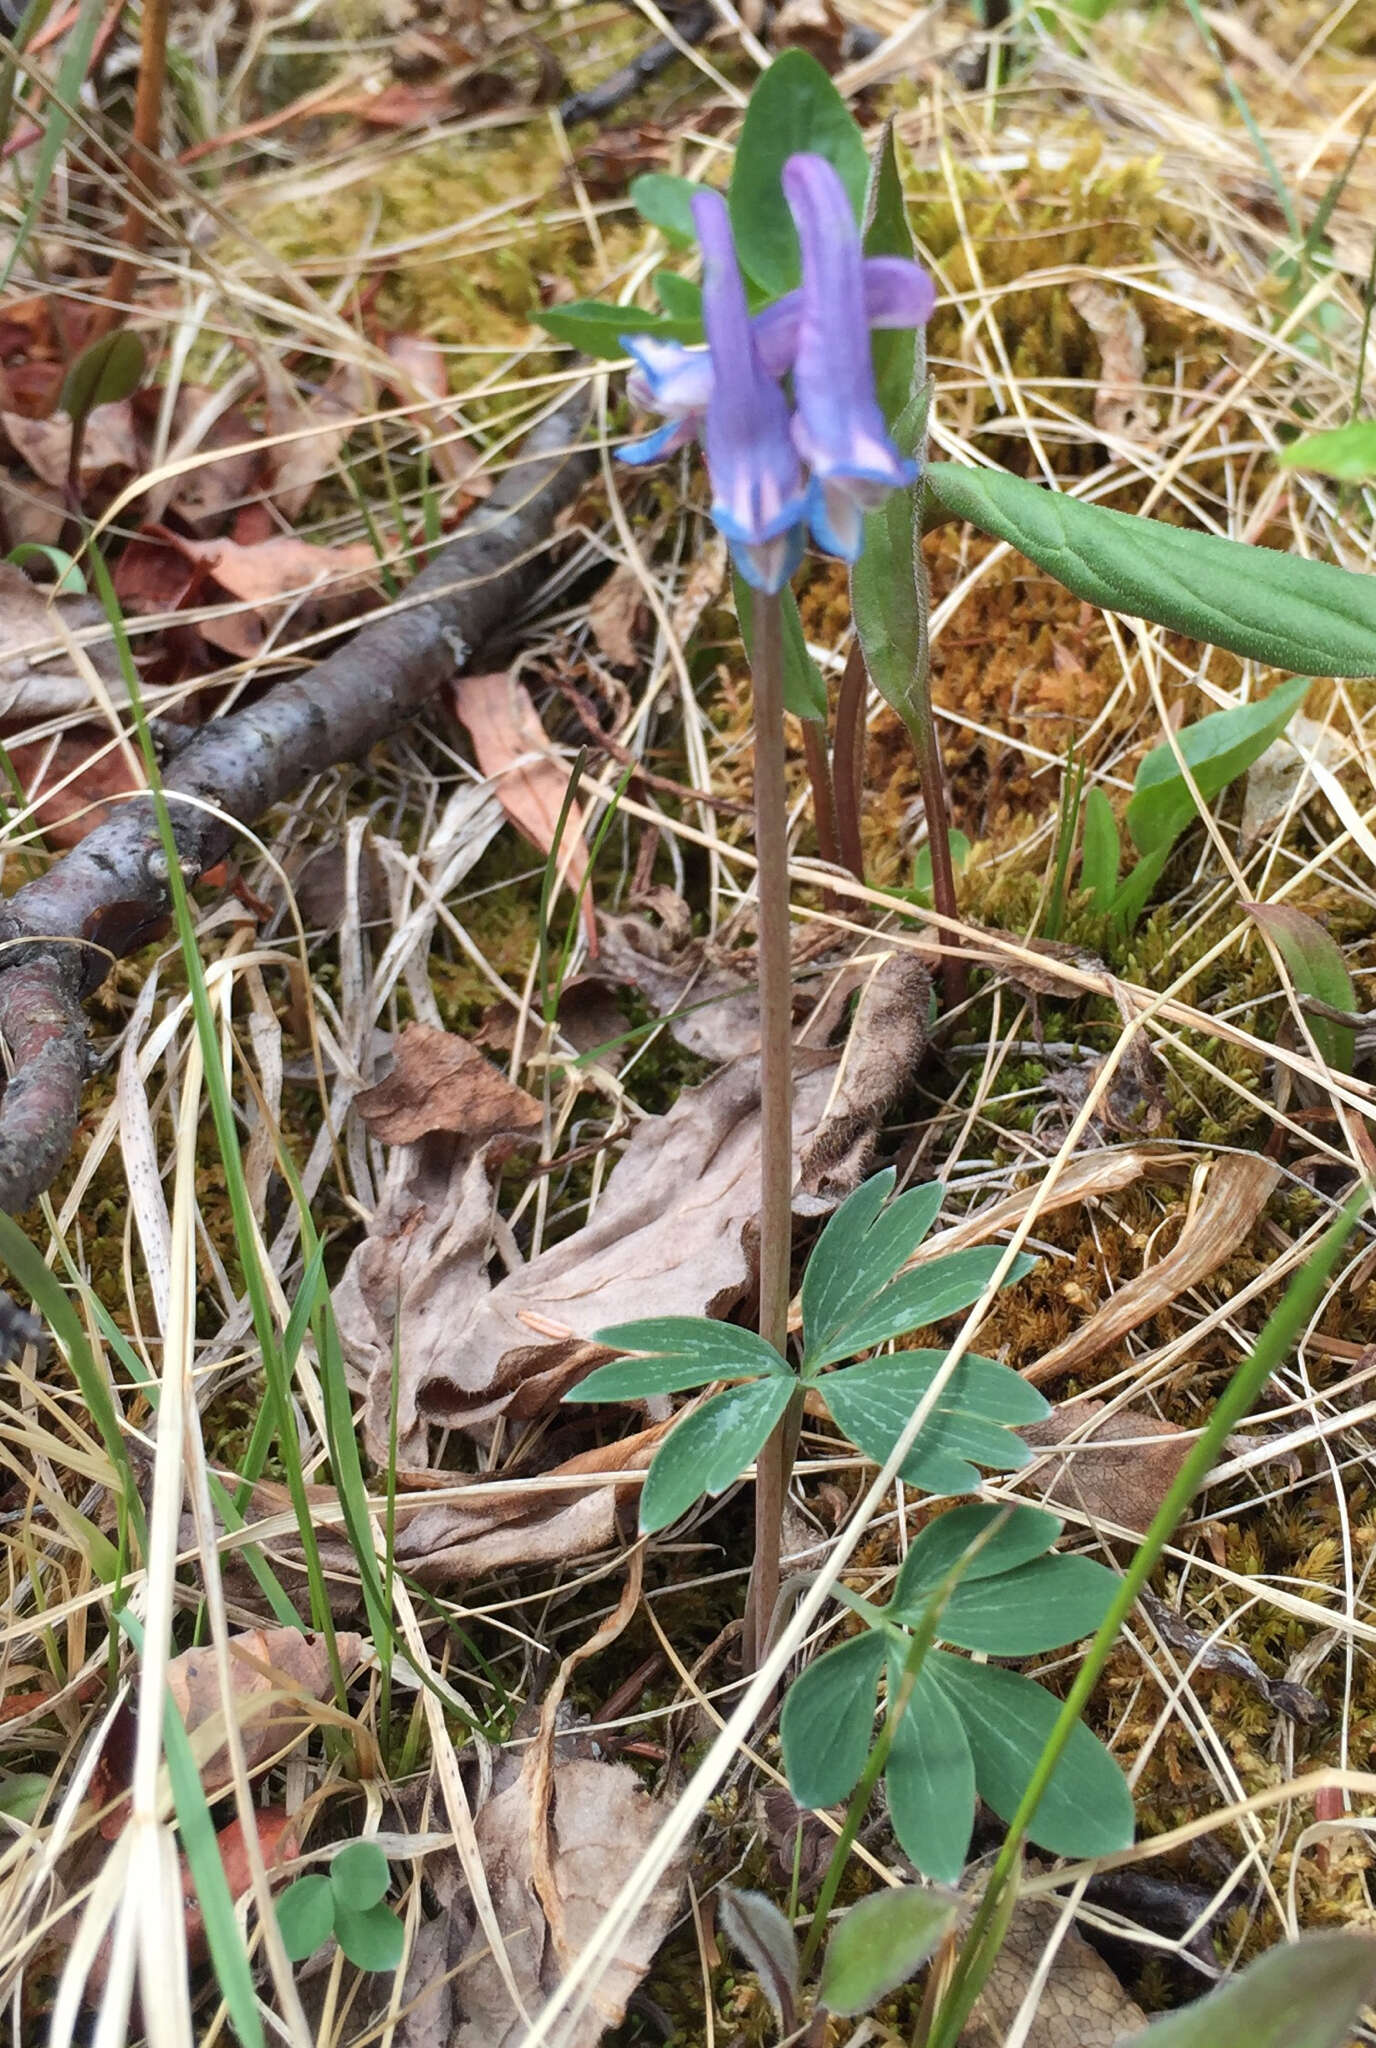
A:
777, 465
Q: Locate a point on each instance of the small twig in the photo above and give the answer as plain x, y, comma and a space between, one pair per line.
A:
823, 796
600, 100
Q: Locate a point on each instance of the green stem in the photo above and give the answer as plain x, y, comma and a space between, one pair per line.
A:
776, 1100
1301, 1298
848, 758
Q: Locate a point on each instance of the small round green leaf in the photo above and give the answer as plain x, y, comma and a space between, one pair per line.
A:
305, 1914
667, 203
880, 1943
373, 1940
828, 1720
360, 1876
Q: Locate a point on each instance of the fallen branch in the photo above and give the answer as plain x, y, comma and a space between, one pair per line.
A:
60, 933
612, 92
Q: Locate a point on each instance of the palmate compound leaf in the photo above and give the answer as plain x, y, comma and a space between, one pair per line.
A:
1007, 1720
862, 1247
942, 1288
930, 1780
678, 1352
710, 1447
880, 1943
971, 1425
828, 1720
1309, 1994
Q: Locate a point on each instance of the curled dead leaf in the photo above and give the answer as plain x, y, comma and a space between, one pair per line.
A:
278, 1675
1119, 405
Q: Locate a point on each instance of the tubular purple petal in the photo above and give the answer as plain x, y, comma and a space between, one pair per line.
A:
667, 376
757, 489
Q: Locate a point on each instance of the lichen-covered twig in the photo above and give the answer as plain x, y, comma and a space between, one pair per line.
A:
60, 932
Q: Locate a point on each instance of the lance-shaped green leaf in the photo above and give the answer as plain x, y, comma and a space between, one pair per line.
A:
667, 203
882, 1942
983, 1539
794, 107
1307, 1994
1216, 749
710, 1448
899, 353
1087, 1807
828, 1720
678, 1352
888, 586
805, 691
861, 1249
1040, 1606
1100, 851
1347, 453
930, 1780
109, 370
1317, 968
1311, 617
943, 1287
972, 1424
595, 326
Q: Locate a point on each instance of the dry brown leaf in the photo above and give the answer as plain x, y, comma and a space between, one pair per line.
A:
200, 426
601, 1822
32, 512
1237, 1191
1085, 1179
37, 676
512, 749
613, 614
1082, 2004
421, 372
319, 585
888, 1038
95, 774
441, 1083
266, 1664
701, 588
1116, 324
109, 443
708, 1000
297, 464
1281, 779
1116, 1470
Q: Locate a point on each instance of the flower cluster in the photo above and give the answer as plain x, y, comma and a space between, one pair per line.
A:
776, 468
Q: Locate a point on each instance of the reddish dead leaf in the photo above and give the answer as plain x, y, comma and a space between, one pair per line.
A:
203, 495
398, 105
277, 1843
512, 749
1119, 1469
266, 1664
320, 586
74, 781
299, 462
442, 1083
421, 373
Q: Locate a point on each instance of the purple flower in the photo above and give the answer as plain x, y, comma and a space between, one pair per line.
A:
758, 497
839, 428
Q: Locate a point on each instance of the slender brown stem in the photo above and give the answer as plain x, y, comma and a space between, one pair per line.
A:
932, 780
776, 1099
144, 162
823, 796
848, 756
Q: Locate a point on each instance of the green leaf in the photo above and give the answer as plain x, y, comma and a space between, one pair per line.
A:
1216, 749
805, 691
360, 1875
1041, 1606
862, 1247
680, 297
1011, 1537
1087, 1807
710, 1448
899, 353
70, 581
681, 1351
828, 1720
1308, 1994
794, 107
373, 1940
596, 328
970, 1426
882, 1942
667, 204
1307, 616
941, 1288
22, 1794
888, 590
305, 1914
110, 369
1317, 968
930, 1781
1347, 453
1099, 854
